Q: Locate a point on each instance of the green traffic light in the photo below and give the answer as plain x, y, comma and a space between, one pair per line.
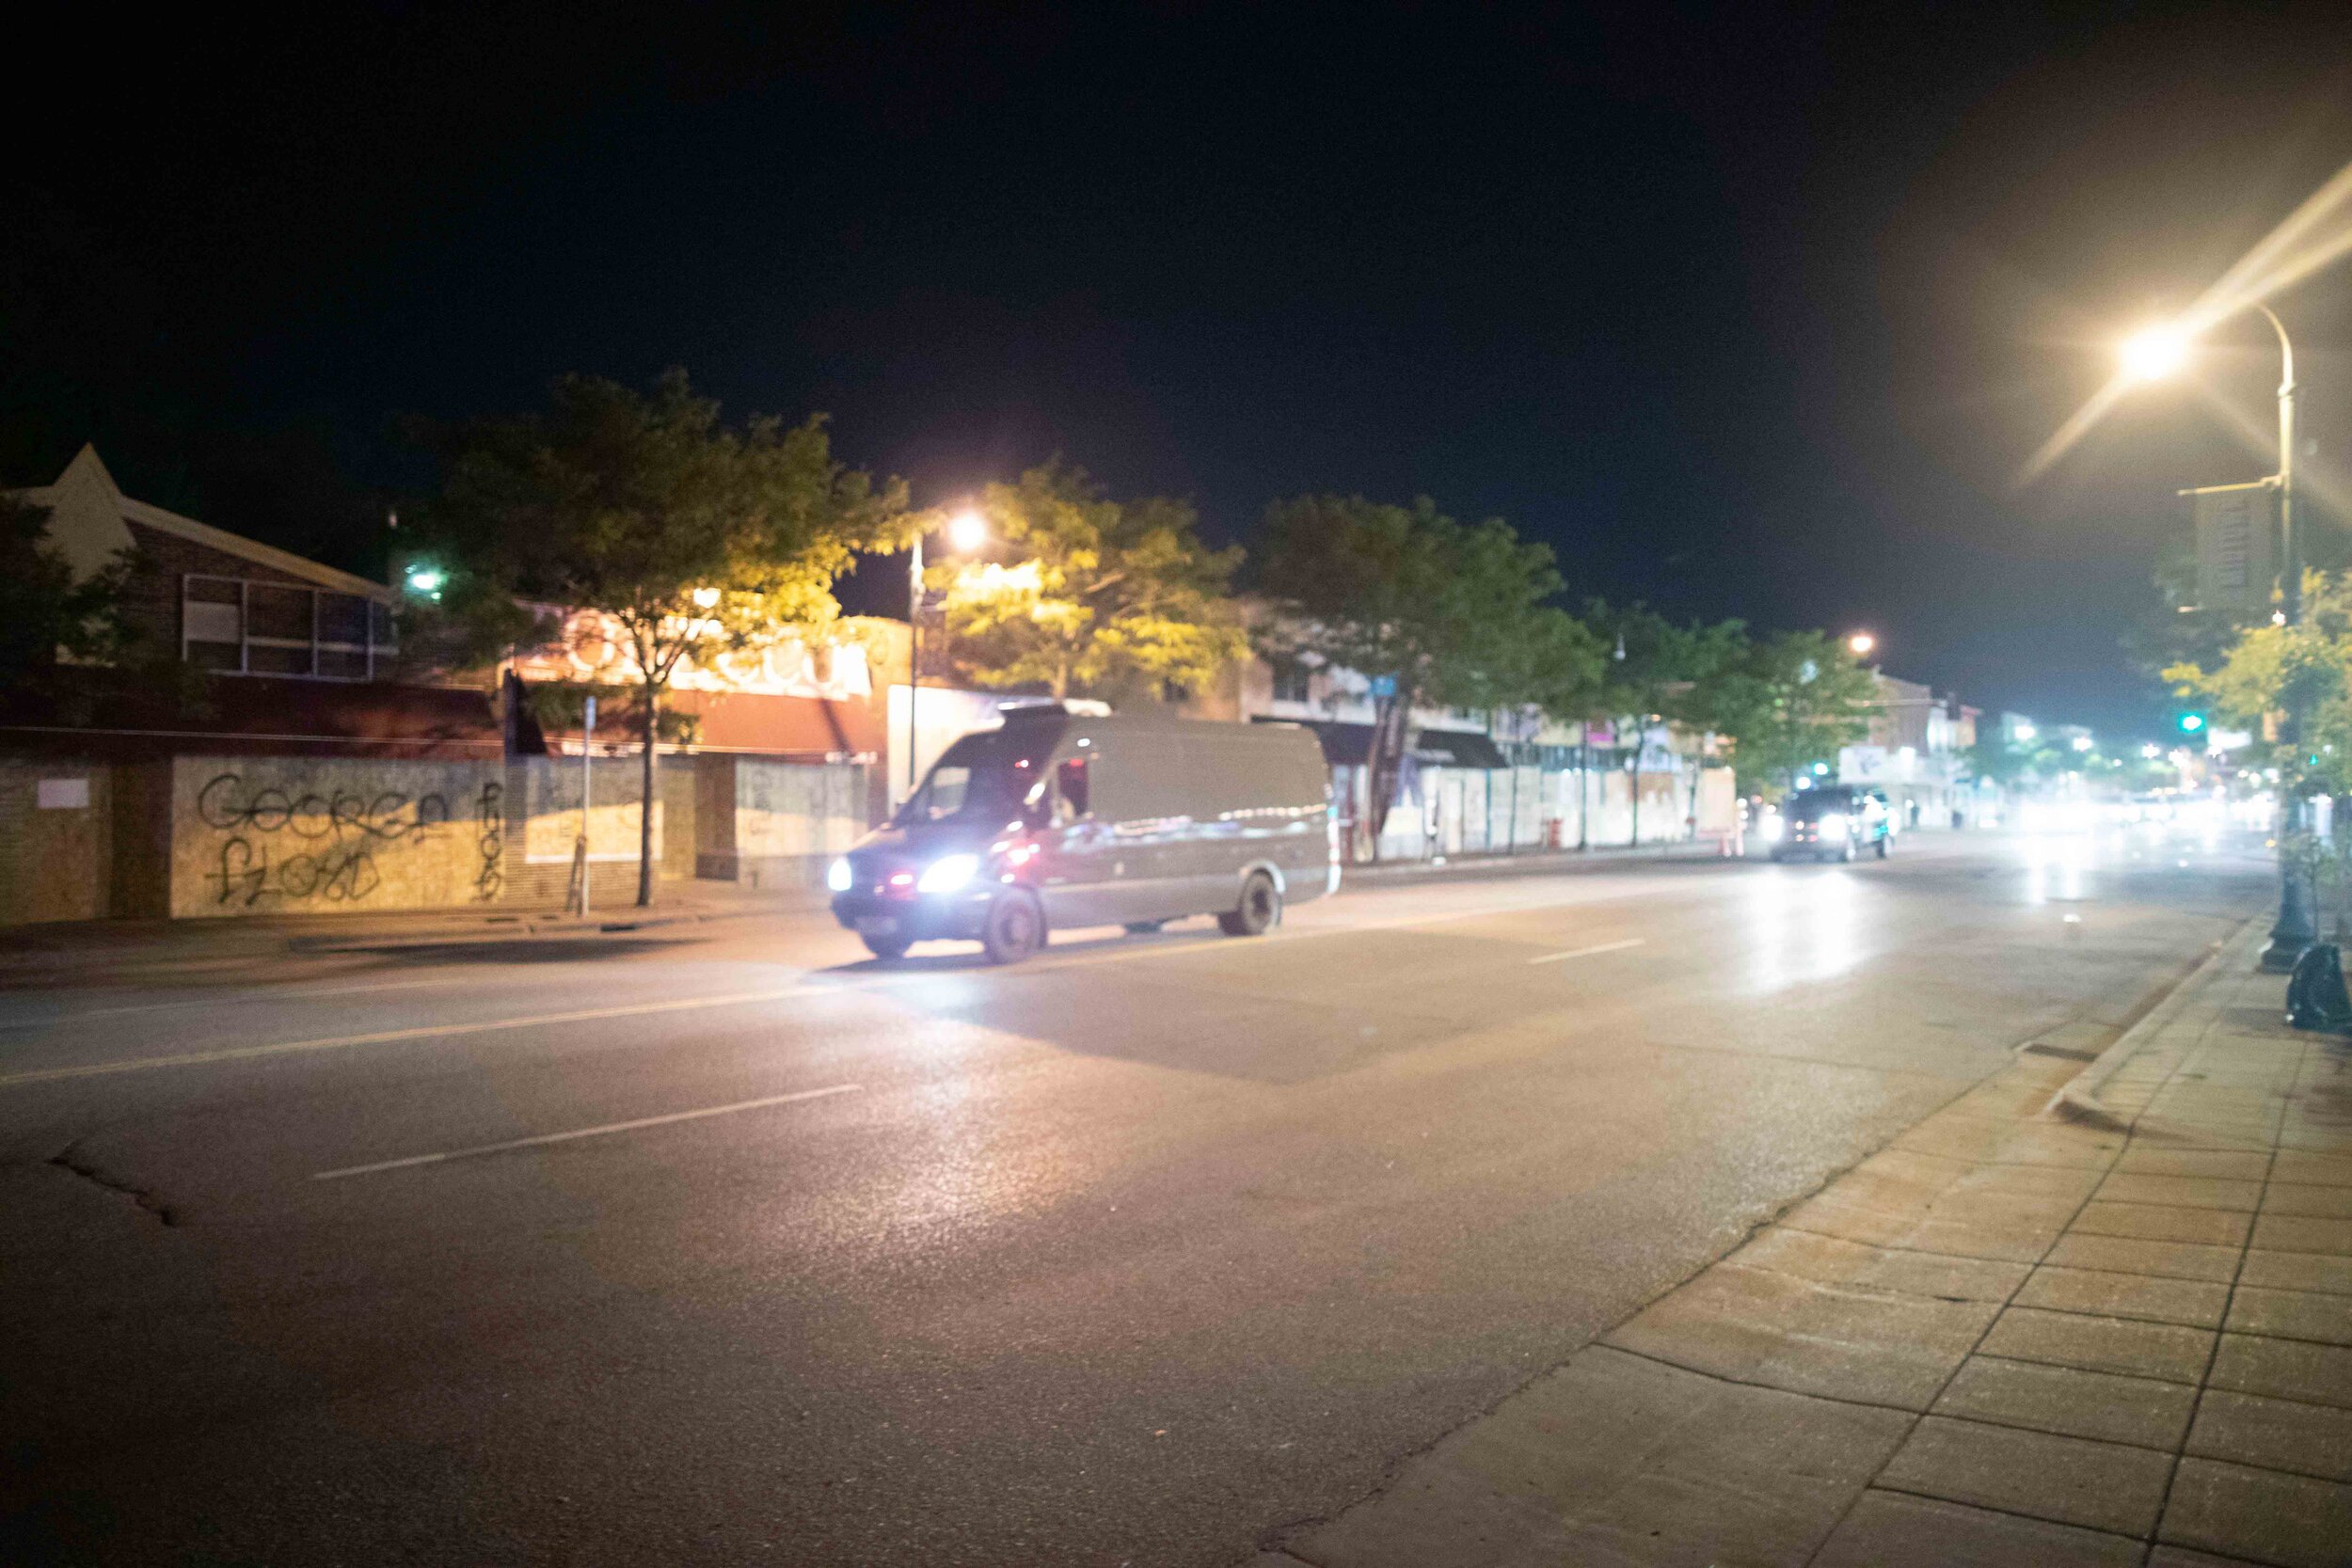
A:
2192, 722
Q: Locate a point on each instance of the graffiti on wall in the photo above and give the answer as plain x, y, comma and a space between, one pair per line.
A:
313, 845
490, 841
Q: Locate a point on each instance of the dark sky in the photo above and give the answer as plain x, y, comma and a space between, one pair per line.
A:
1746, 312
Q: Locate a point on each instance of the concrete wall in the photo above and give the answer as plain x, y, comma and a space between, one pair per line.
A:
309, 835
543, 825
1470, 810
776, 824
214, 836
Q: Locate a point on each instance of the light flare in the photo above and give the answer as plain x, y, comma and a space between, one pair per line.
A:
2274, 262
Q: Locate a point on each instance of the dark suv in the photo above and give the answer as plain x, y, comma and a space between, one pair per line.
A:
1835, 823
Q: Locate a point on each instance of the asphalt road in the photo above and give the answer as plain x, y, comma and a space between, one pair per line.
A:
1129, 1256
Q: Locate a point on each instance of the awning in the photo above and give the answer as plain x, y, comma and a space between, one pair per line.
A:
1350, 745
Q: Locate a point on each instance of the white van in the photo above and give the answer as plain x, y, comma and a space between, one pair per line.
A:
1059, 819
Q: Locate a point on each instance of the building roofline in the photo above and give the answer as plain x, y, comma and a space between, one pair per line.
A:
254, 551
88, 469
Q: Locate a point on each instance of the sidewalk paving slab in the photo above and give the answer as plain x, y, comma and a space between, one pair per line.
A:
1889, 1528
2096, 1315
2070, 1401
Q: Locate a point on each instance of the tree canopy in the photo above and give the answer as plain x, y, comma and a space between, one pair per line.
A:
43, 611
694, 538
1096, 598
2267, 672
1433, 610
1798, 698
49, 620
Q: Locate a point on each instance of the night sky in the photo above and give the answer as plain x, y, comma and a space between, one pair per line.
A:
1747, 312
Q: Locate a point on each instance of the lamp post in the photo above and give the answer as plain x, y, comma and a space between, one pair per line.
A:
2158, 353
968, 531
2297, 925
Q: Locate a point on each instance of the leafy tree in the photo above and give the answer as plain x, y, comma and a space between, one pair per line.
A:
1804, 695
1719, 692
1995, 760
693, 538
1647, 671
1433, 610
2268, 673
1100, 598
45, 615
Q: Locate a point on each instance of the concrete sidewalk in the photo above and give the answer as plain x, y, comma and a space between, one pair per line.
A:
2112, 1330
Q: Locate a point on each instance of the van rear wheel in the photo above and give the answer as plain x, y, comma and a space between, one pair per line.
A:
1258, 911
1015, 928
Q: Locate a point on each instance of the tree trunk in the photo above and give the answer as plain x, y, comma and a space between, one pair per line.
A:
1584, 787
1387, 763
646, 804
1698, 770
1636, 839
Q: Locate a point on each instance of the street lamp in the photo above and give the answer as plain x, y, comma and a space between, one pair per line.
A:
1861, 642
2154, 353
968, 531
2158, 351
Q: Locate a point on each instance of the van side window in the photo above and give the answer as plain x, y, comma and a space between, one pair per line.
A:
1071, 776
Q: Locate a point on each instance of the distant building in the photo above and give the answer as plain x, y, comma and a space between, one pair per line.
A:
1914, 753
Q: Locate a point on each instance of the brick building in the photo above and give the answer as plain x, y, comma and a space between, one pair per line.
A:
310, 768
221, 601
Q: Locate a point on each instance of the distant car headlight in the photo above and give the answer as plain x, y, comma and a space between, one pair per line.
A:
1773, 828
837, 875
948, 874
1834, 822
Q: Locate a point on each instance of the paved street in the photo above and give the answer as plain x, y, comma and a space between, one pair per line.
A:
735, 1247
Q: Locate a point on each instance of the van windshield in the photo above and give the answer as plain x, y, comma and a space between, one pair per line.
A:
984, 777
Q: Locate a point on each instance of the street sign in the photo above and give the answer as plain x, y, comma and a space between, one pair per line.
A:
1384, 686
2234, 566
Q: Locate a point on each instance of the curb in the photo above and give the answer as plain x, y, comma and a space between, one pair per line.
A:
2078, 1100
528, 929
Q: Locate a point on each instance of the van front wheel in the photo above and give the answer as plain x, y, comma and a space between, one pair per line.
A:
1258, 911
1015, 928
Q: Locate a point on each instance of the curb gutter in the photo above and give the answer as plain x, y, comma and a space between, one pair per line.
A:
2078, 1100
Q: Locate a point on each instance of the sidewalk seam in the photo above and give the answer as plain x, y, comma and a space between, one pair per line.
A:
2007, 1300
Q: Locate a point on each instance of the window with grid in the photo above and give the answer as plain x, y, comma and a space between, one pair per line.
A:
239, 625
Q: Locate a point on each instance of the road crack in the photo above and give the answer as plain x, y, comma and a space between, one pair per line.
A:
70, 1160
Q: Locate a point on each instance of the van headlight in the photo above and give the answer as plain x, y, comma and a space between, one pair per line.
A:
837, 877
948, 874
1774, 827
1834, 822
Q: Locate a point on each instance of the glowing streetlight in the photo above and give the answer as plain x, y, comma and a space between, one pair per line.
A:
706, 598
2154, 353
968, 531
1861, 642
